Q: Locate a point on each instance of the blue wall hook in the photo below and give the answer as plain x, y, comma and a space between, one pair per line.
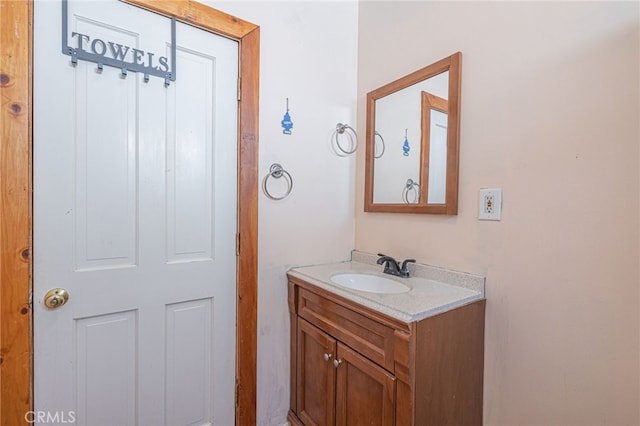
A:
405, 147
286, 122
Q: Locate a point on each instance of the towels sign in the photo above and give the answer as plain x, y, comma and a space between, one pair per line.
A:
126, 58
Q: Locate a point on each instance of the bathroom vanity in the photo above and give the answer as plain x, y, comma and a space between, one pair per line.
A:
368, 358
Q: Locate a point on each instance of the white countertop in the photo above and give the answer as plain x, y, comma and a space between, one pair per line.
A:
427, 297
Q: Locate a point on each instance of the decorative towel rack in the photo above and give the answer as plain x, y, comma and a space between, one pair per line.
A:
378, 135
276, 171
351, 136
411, 187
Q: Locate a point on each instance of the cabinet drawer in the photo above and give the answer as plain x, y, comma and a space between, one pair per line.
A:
371, 338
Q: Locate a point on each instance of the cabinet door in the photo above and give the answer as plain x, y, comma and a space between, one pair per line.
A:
365, 392
315, 376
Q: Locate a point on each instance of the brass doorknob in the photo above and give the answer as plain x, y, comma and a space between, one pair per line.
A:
55, 298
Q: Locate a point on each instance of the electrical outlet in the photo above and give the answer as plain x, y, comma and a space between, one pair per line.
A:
490, 204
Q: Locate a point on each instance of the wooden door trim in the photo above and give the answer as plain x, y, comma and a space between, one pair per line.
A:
15, 211
16, 95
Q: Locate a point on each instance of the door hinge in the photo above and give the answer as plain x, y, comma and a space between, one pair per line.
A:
239, 87
238, 244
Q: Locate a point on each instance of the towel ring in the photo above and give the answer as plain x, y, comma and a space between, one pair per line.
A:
344, 129
276, 171
411, 187
377, 134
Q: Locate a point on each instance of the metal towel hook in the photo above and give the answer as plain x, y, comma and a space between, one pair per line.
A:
378, 135
276, 171
412, 187
351, 135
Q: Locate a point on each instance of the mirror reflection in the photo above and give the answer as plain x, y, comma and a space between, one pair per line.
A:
412, 142
434, 132
400, 121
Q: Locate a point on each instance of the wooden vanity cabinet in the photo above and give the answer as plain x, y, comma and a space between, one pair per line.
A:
315, 375
365, 392
351, 365
336, 385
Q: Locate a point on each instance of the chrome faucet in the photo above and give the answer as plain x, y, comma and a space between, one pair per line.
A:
392, 267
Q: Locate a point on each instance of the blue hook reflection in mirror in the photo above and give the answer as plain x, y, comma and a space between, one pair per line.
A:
405, 147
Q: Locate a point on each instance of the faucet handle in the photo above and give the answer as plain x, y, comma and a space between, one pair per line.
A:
384, 258
405, 267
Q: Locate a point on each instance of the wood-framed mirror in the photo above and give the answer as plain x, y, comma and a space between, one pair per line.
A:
412, 142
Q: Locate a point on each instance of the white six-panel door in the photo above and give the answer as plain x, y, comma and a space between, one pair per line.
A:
135, 216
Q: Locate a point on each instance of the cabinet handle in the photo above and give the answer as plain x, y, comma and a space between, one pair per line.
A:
337, 363
327, 357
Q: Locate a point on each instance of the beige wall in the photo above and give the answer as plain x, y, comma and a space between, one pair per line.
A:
314, 224
550, 113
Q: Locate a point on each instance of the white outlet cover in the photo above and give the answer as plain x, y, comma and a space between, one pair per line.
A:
494, 211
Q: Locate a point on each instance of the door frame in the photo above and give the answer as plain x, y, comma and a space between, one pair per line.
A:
16, 199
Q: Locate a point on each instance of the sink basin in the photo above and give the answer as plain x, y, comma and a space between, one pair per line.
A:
369, 283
